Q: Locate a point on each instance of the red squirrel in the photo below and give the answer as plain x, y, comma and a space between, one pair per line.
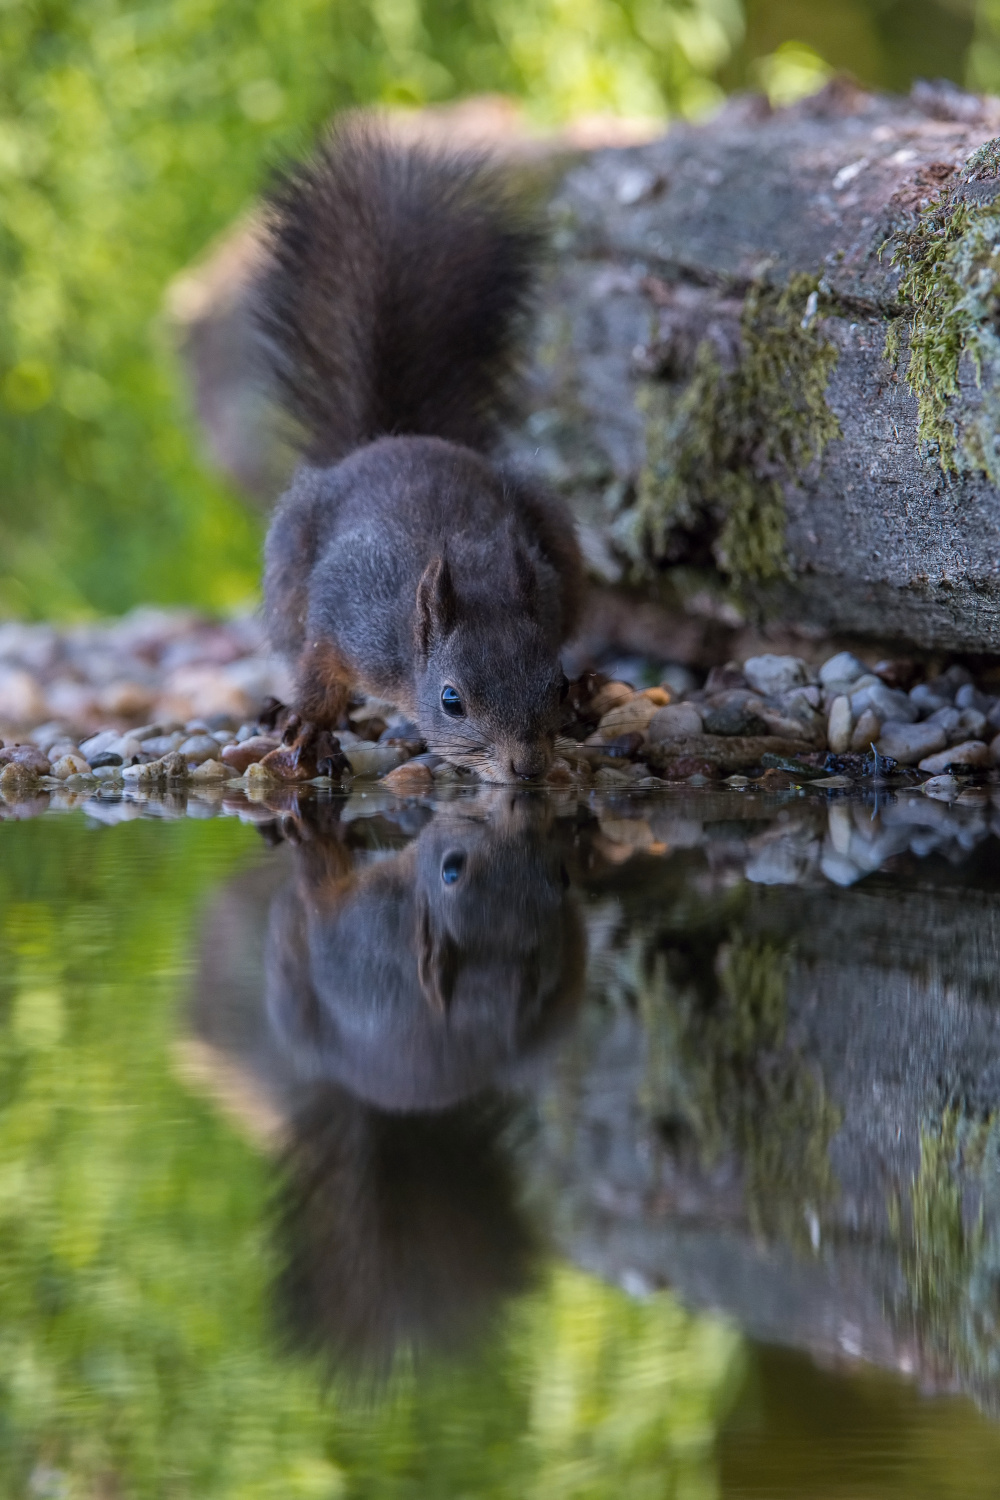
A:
404, 559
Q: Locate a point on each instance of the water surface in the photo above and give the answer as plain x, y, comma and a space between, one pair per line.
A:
501, 1145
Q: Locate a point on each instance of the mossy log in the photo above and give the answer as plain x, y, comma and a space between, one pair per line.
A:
766, 355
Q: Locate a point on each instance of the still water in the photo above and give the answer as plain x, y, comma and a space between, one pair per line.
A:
506, 1145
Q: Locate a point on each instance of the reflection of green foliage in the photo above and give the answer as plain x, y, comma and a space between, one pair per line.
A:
135, 1259
720, 448
948, 1263
719, 1071
130, 134
627, 1396
950, 284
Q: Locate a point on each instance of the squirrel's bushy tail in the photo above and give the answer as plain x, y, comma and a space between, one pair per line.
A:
397, 281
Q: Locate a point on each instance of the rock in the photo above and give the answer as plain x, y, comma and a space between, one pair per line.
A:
128, 747
971, 725
79, 781
971, 753
125, 700
839, 722
775, 674
909, 743
969, 696
199, 748
98, 743
409, 780
995, 751
368, 761
162, 744
942, 788
239, 756
21, 701
70, 765
888, 703
108, 772
607, 780
948, 718
866, 730
607, 697
210, 770
27, 758
841, 668
108, 759
926, 700
788, 726
258, 774
629, 717
676, 721
734, 717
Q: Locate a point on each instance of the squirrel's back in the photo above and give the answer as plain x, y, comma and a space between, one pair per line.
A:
396, 285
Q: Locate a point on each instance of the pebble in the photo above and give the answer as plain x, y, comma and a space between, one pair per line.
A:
69, 765
926, 700
944, 788
866, 730
258, 775
732, 717
775, 674
106, 759
106, 772
409, 780
995, 751
369, 761
609, 696
98, 744
888, 703
21, 701
971, 753
29, 760
841, 668
162, 744
839, 723
629, 717
199, 748
210, 770
677, 721
606, 778
909, 743
246, 752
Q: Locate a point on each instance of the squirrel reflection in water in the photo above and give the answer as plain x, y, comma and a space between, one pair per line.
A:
407, 995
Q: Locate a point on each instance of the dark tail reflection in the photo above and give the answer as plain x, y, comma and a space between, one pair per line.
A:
403, 994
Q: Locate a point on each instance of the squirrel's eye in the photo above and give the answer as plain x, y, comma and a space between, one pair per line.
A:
452, 866
564, 689
452, 703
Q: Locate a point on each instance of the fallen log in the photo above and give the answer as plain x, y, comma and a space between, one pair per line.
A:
766, 358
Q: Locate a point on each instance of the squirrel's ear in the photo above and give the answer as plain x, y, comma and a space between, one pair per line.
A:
437, 606
437, 962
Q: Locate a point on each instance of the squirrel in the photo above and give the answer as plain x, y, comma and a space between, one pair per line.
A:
404, 559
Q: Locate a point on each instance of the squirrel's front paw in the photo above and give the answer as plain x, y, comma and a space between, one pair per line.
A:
306, 751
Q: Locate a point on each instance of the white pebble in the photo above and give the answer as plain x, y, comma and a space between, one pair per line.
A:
839, 725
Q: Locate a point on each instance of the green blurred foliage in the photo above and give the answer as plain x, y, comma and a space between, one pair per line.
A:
138, 1356
134, 131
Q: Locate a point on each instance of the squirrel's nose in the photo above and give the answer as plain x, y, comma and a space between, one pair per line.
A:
529, 765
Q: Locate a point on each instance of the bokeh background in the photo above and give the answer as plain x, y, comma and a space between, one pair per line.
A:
132, 135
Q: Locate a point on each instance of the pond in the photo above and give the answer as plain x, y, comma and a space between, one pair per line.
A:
500, 1144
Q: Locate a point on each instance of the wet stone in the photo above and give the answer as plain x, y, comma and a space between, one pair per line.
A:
27, 758
971, 753
839, 725
866, 730
677, 721
770, 674
733, 718
69, 765
909, 743
841, 668
239, 756
199, 748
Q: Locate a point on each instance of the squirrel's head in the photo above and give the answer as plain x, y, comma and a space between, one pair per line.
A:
490, 691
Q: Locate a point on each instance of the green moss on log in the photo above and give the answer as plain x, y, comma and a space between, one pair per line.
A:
722, 448
951, 270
